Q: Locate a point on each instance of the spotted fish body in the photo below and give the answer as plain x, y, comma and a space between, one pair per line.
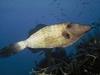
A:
48, 37
58, 35
52, 36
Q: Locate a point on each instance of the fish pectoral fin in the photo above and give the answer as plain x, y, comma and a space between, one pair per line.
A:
39, 26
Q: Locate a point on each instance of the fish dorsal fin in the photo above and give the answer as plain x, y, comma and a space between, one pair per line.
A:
39, 26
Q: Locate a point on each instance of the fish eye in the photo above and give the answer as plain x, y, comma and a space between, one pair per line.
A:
69, 26
66, 35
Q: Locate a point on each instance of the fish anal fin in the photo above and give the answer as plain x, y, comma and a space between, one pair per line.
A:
35, 50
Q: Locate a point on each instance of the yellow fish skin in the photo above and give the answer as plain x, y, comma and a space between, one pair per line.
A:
57, 35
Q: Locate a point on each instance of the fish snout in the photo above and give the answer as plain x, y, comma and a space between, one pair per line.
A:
82, 29
87, 28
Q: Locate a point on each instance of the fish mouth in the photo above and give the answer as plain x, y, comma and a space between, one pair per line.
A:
88, 28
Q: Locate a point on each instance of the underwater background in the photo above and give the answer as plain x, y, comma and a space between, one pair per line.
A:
18, 17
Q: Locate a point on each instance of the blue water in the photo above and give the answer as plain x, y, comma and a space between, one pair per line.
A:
18, 17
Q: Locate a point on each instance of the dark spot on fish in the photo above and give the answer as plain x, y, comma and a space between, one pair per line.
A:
66, 35
69, 26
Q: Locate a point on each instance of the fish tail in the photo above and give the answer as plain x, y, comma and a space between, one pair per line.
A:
12, 49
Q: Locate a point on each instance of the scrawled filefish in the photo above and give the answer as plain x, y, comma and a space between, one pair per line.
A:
48, 36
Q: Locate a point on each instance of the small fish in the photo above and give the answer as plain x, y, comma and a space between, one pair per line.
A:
48, 36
